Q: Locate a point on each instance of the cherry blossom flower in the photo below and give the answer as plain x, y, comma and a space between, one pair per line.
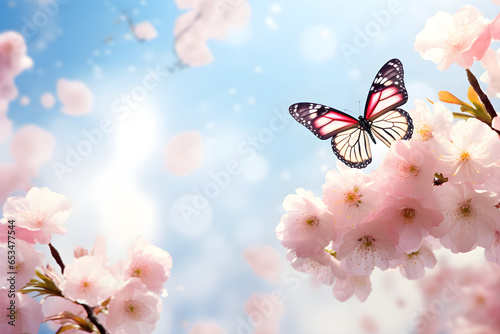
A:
349, 195
412, 265
13, 60
407, 221
365, 247
306, 229
27, 259
27, 316
264, 261
427, 125
207, 19
469, 217
145, 31
206, 327
264, 312
325, 268
471, 154
459, 38
133, 309
40, 213
409, 169
150, 264
359, 286
76, 97
87, 281
492, 75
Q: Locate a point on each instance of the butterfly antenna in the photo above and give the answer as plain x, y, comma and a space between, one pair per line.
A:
359, 107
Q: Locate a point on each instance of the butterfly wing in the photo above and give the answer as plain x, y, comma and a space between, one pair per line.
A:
352, 147
387, 91
392, 125
350, 142
321, 120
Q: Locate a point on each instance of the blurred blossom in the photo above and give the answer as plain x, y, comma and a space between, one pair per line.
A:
184, 153
24, 101
206, 327
75, 96
13, 60
264, 261
264, 313
32, 147
145, 31
459, 38
47, 100
207, 19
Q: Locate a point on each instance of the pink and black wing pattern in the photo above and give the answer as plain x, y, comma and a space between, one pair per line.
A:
387, 91
321, 120
350, 142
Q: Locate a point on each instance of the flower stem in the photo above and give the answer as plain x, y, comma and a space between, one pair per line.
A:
94, 320
475, 84
57, 257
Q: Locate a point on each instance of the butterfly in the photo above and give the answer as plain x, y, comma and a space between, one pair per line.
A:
382, 118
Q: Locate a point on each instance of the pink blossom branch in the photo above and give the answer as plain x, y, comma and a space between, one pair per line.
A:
475, 84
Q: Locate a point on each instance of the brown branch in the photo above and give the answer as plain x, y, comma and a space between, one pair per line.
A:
92, 317
475, 84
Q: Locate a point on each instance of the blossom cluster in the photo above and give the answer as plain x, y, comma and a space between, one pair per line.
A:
441, 188
90, 294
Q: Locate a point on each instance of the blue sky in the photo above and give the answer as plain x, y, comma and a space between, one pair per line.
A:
291, 51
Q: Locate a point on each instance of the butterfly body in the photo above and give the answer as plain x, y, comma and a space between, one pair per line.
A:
382, 118
367, 127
